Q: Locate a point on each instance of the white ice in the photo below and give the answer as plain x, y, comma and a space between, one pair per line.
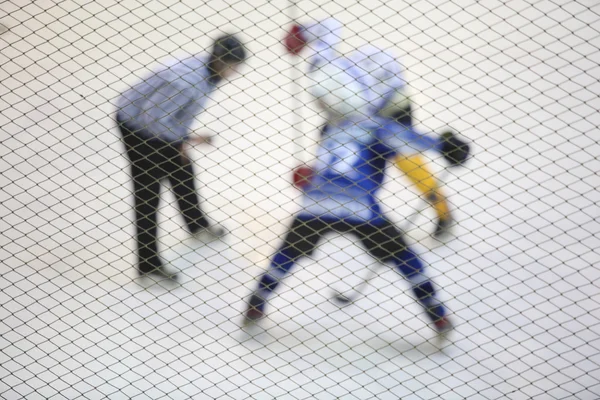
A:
519, 79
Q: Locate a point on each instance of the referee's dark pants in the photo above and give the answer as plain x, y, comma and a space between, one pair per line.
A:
153, 160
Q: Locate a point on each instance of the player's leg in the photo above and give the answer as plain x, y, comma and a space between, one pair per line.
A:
183, 183
146, 189
415, 168
300, 241
385, 242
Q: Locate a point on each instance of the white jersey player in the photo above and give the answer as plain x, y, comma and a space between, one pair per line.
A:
364, 86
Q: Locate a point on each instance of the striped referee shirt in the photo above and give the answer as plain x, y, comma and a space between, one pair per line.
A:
165, 104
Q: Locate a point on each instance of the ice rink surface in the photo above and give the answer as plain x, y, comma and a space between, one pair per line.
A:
521, 275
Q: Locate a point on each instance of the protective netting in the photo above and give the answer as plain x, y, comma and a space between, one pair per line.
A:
518, 272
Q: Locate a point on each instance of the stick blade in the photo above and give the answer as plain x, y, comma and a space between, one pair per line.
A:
341, 300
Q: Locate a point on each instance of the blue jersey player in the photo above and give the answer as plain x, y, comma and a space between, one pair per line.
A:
341, 197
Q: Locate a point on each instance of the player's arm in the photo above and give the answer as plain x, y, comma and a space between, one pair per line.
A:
408, 141
455, 150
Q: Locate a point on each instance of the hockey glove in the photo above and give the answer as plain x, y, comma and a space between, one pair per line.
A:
456, 151
294, 41
302, 176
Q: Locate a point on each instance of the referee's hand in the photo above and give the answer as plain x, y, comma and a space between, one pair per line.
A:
183, 153
199, 139
191, 142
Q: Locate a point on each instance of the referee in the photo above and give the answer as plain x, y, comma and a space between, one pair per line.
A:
155, 118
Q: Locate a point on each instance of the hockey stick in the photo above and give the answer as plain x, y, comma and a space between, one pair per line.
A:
296, 89
344, 300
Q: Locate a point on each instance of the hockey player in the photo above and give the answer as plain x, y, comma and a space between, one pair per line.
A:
386, 97
349, 170
155, 118
341, 196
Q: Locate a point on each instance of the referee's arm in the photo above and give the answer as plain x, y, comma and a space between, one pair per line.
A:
171, 110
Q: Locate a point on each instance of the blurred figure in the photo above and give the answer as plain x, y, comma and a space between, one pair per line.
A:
155, 117
369, 83
341, 196
341, 192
